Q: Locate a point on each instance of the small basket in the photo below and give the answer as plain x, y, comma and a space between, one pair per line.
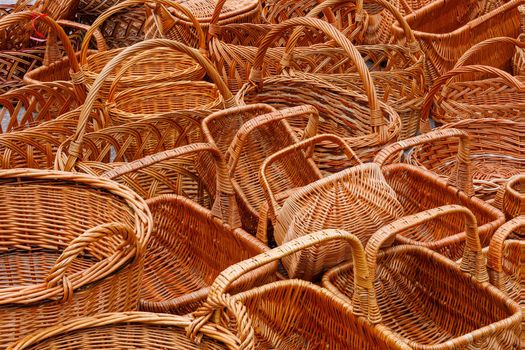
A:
295, 314
73, 246
426, 299
511, 197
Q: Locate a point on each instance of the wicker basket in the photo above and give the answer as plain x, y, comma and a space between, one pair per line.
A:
336, 201
96, 7
140, 330
73, 247
511, 197
32, 105
419, 189
445, 37
247, 135
438, 315
365, 123
295, 314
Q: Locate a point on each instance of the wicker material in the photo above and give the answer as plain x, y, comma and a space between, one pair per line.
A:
336, 201
445, 37
426, 299
496, 151
419, 189
158, 67
141, 330
295, 314
96, 7
247, 135
29, 106
511, 197
73, 247
364, 122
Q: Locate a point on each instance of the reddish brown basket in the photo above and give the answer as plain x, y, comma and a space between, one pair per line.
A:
296, 314
357, 199
73, 246
511, 197
419, 189
426, 299
191, 245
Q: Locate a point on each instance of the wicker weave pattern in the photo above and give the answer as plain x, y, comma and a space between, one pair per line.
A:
511, 197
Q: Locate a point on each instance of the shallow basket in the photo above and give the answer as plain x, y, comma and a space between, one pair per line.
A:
73, 247
426, 299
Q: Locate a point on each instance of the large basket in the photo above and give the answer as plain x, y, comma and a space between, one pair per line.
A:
72, 247
511, 197
419, 189
191, 245
336, 201
247, 135
295, 314
426, 299
364, 122
444, 37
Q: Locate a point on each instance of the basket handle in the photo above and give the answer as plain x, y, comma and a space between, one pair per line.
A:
57, 274
224, 206
473, 260
361, 281
236, 147
128, 3
445, 78
256, 73
495, 254
76, 143
308, 146
463, 172
477, 49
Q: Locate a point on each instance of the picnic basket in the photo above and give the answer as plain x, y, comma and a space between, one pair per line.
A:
335, 201
295, 314
511, 197
438, 315
190, 244
73, 247
246, 136
418, 189
444, 37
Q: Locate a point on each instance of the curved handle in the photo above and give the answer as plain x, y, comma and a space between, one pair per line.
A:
128, 3
361, 281
445, 78
256, 74
76, 143
97, 35
57, 274
237, 145
224, 206
463, 171
472, 262
17, 17
308, 145
475, 51
496, 247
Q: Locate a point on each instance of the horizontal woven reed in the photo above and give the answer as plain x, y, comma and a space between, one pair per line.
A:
446, 29
31, 105
69, 240
357, 199
418, 189
296, 314
96, 7
246, 136
426, 299
511, 197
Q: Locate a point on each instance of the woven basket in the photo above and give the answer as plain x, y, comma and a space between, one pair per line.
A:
363, 121
96, 7
191, 245
177, 26
456, 96
444, 37
336, 201
158, 67
32, 105
141, 330
295, 314
418, 190
74, 248
438, 315
511, 197
246, 136
496, 147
